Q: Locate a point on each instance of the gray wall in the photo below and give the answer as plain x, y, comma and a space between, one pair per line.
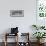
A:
24, 23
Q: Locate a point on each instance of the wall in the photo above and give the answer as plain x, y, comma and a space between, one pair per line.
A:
24, 23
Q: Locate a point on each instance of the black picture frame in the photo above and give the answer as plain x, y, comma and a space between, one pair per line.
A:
17, 13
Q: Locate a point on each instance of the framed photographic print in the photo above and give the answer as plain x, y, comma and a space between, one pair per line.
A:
17, 13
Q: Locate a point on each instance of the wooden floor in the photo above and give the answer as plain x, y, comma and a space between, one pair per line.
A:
13, 44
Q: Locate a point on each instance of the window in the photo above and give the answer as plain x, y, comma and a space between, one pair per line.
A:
41, 8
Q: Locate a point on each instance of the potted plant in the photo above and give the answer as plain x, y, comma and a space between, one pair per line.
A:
38, 27
35, 27
42, 27
39, 35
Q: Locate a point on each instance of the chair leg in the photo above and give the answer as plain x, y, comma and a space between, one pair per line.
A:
5, 44
5, 40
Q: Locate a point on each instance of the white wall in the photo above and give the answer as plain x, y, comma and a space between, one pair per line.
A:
24, 23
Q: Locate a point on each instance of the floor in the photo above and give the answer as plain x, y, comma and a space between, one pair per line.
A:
13, 44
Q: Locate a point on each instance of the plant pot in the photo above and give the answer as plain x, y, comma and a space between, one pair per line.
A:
40, 41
